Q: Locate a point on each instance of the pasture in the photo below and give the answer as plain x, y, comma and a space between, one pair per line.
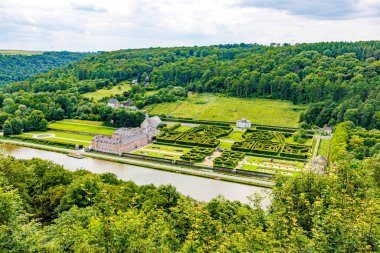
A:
99, 94
207, 106
81, 126
61, 137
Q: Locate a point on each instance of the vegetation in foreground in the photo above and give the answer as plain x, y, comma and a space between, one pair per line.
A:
219, 108
46, 208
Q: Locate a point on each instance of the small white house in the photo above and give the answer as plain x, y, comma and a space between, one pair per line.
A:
327, 129
114, 103
244, 123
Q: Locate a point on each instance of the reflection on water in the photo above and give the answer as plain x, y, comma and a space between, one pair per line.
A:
198, 188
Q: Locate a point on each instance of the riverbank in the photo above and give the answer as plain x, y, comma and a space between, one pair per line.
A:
146, 164
199, 188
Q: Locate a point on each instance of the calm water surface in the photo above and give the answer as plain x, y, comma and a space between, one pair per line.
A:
198, 188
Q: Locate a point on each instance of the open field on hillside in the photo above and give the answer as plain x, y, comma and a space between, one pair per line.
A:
87, 122
99, 94
19, 52
81, 126
213, 107
62, 137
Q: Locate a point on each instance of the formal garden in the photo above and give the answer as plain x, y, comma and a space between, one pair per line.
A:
203, 136
271, 143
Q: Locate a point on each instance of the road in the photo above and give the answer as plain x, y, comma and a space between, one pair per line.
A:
142, 163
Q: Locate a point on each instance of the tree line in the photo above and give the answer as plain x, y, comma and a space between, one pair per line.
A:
16, 68
46, 208
338, 79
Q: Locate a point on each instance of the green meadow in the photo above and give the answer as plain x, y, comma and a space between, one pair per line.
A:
81, 126
99, 94
62, 137
207, 106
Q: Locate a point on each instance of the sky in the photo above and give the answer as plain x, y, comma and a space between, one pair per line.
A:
104, 25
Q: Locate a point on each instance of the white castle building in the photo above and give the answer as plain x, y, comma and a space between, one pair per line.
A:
244, 123
127, 139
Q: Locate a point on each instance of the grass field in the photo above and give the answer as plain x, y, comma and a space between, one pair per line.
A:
87, 122
62, 137
214, 107
19, 52
234, 136
162, 151
99, 94
81, 126
183, 128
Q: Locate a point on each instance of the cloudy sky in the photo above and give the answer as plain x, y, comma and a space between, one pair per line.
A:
114, 24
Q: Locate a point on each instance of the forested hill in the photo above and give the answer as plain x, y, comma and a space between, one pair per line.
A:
340, 79
18, 67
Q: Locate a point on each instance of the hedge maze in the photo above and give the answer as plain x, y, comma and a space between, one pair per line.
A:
270, 143
228, 159
203, 136
196, 154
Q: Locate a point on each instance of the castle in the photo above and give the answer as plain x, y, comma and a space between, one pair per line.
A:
127, 139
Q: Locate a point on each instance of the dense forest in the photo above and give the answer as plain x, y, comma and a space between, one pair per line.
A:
14, 68
339, 80
45, 208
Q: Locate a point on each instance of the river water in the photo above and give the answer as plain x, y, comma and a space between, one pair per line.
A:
199, 188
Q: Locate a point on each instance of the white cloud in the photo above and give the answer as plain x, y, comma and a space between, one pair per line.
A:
115, 24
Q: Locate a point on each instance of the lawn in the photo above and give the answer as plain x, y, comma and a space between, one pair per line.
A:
162, 151
324, 147
99, 94
225, 144
87, 122
207, 106
62, 137
80, 126
234, 136
293, 164
167, 148
183, 128
308, 142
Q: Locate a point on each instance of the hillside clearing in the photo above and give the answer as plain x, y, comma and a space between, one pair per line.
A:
99, 94
213, 107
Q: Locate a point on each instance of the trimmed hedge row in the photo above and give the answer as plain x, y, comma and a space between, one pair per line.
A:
204, 136
261, 143
193, 121
172, 144
295, 151
196, 154
45, 142
228, 159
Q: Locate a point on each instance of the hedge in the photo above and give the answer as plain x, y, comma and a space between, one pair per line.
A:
196, 154
228, 159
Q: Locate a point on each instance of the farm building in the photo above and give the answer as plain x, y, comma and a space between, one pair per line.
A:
244, 123
114, 103
127, 139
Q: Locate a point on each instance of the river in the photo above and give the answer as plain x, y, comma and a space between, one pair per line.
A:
199, 188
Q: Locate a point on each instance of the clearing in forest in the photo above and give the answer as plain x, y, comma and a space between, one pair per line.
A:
207, 106
99, 94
